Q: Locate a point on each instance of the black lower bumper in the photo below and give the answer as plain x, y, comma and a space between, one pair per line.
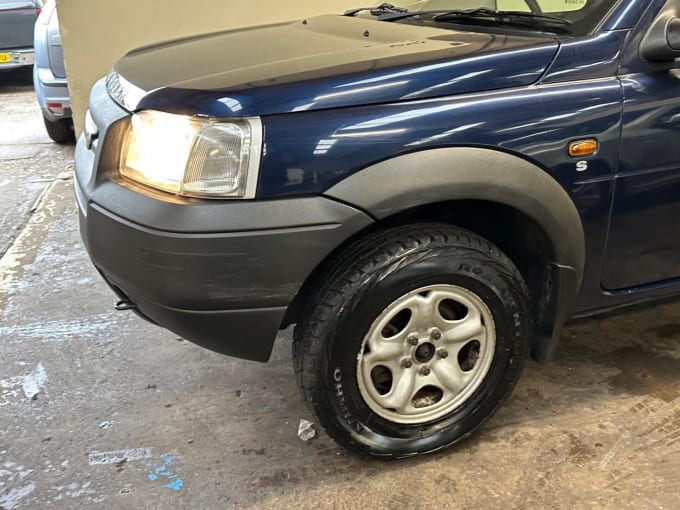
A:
218, 273
247, 333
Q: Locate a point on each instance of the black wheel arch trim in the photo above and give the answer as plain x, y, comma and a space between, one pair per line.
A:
468, 173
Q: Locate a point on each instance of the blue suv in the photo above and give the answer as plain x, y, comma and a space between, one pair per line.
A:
428, 191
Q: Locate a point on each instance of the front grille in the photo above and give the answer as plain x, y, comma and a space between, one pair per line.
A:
114, 87
126, 94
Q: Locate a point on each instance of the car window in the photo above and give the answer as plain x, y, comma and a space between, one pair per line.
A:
584, 15
547, 6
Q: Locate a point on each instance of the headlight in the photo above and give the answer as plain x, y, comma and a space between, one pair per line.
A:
191, 156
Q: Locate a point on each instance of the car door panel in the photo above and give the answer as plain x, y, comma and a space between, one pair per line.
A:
643, 244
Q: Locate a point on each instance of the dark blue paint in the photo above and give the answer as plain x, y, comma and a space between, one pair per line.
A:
644, 245
525, 96
535, 124
587, 58
628, 13
453, 64
326, 147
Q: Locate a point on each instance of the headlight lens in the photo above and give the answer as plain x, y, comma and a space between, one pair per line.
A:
193, 157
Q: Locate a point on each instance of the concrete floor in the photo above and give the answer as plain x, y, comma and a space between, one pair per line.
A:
100, 410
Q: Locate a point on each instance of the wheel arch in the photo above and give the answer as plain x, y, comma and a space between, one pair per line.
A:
466, 173
465, 186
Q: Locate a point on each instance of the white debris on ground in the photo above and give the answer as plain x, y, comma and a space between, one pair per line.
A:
15, 484
34, 381
306, 430
127, 455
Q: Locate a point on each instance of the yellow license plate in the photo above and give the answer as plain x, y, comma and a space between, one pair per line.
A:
5, 57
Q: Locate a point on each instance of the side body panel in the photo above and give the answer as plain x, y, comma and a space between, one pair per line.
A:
533, 123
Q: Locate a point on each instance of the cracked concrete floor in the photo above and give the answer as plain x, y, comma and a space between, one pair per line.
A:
100, 410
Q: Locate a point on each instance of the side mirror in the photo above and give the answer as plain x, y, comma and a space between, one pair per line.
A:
662, 41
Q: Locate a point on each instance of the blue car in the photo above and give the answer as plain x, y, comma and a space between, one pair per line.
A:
428, 191
49, 76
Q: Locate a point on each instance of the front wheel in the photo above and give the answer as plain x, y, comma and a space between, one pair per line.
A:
417, 336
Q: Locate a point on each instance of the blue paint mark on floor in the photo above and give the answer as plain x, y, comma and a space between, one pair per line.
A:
175, 485
165, 472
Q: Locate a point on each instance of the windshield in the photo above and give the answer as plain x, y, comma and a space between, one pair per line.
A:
584, 15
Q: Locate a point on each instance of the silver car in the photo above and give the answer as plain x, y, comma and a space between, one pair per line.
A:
17, 18
49, 76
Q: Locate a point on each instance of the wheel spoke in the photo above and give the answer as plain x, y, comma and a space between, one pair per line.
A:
423, 308
383, 350
467, 329
403, 387
450, 375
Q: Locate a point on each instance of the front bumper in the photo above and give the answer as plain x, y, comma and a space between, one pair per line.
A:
18, 58
218, 273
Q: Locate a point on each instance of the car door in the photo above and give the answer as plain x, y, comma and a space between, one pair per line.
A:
644, 238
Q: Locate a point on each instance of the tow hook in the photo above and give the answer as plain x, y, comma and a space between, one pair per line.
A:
124, 305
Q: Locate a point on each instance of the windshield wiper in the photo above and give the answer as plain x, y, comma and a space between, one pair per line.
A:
501, 16
383, 8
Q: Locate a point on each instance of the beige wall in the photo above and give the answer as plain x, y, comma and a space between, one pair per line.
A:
95, 34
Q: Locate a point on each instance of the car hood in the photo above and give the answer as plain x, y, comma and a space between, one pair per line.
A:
324, 62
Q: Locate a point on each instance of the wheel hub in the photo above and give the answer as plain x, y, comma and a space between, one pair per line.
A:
424, 352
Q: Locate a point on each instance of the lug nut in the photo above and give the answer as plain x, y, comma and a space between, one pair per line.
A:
412, 339
424, 371
435, 334
443, 353
407, 363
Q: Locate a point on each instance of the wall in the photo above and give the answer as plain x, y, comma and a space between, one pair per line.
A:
95, 34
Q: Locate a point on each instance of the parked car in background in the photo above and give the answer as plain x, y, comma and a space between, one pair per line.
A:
49, 76
17, 18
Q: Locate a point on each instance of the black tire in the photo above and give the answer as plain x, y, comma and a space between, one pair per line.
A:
368, 276
60, 131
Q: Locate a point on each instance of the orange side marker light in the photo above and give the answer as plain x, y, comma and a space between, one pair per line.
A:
581, 148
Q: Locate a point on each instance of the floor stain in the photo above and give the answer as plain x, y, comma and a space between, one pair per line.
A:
253, 451
671, 330
579, 452
643, 372
278, 478
120, 465
167, 471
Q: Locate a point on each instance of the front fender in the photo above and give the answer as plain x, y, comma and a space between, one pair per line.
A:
467, 173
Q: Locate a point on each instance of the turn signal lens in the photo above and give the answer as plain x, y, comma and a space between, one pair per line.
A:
582, 148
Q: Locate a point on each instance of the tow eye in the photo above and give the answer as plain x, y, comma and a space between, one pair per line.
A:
124, 305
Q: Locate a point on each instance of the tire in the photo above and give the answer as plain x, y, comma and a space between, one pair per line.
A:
60, 131
411, 284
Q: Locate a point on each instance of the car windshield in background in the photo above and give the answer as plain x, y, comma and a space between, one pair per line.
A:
570, 17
